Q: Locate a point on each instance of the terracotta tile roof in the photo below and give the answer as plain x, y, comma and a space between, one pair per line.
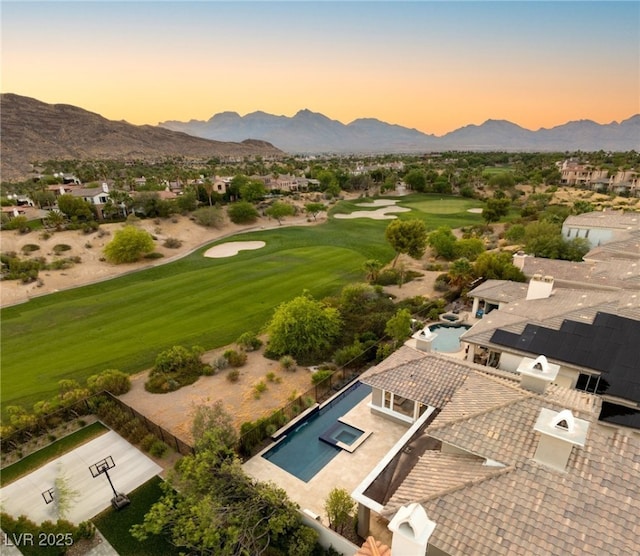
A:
430, 380
372, 547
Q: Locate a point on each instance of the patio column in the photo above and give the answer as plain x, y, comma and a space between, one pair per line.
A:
476, 303
364, 515
471, 353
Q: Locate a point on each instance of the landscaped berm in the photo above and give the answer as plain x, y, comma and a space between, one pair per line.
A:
174, 410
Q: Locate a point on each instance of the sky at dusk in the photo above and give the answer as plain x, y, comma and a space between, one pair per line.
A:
433, 66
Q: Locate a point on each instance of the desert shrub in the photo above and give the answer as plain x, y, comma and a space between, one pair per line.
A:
112, 380
249, 341
19, 223
172, 243
271, 377
154, 255
220, 363
288, 363
208, 370
351, 355
13, 527
60, 264
61, 248
271, 429
233, 375
174, 368
90, 227
158, 449
14, 268
30, 248
210, 217
128, 245
320, 376
235, 358
242, 212
148, 441
260, 386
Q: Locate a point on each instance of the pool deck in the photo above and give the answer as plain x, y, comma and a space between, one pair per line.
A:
346, 470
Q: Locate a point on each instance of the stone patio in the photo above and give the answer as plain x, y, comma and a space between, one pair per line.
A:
346, 470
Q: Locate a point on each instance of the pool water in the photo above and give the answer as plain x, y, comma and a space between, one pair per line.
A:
341, 432
303, 453
448, 336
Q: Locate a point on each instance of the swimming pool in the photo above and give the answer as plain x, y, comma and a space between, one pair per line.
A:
448, 336
303, 452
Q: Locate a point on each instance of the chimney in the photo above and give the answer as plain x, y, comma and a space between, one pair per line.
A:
518, 259
559, 433
540, 287
411, 530
105, 187
536, 374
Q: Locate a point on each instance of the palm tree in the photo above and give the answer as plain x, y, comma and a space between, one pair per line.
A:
372, 268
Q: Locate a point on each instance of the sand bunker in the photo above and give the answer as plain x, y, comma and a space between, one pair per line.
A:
379, 203
475, 211
232, 248
387, 206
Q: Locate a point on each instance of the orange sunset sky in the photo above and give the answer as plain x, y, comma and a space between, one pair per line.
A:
434, 66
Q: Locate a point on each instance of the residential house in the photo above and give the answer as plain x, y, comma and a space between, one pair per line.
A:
580, 174
96, 196
601, 227
501, 463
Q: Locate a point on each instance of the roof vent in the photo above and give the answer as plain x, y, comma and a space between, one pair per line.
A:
536, 374
559, 433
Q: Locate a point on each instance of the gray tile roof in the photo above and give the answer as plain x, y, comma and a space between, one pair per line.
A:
523, 507
592, 509
429, 380
609, 273
500, 290
614, 220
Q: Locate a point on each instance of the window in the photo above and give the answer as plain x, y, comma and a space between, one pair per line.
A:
398, 404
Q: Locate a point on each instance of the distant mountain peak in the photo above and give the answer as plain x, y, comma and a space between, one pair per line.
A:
312, 132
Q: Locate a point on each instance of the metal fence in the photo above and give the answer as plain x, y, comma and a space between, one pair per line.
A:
88, 406
163, 434
255, 436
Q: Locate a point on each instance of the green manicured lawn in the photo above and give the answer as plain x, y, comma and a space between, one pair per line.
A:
124, 323
115, 525
51, 452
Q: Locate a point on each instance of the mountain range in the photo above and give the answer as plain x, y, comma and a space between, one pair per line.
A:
33, 131
311, 132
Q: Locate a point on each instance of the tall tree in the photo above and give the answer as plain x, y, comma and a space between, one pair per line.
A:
211, 506
407, 236
304, 328
279, 210
443, 242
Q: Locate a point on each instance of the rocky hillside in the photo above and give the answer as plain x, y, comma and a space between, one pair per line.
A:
33, 131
